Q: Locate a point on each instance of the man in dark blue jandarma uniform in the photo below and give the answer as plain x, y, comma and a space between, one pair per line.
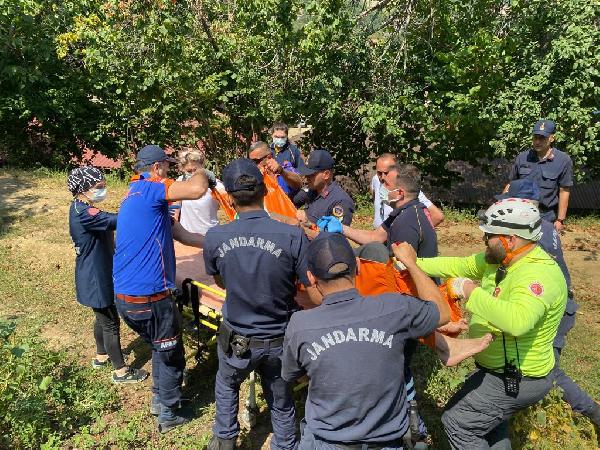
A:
579, 400
324, 197
352, 350
548, 167
144, 273
257, 260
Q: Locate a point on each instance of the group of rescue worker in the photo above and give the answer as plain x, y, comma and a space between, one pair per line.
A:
354, 350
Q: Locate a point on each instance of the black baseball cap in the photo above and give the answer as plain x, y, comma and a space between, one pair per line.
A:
330, 256
238, 168
150, 154
318, 160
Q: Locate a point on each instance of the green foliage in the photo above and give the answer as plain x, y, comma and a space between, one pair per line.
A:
44, 397
551, 424
430, 81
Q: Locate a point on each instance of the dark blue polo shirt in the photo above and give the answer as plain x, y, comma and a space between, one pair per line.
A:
289, 153
144, 261
409, 223
259, 260
332, 201
549, 174
550, 243
352, 349
92, 235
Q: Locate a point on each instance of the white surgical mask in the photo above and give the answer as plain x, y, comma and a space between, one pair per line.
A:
98, 195
279, 142
384, 194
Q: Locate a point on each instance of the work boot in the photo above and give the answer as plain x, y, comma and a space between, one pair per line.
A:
155, 406
169, 419
216, 443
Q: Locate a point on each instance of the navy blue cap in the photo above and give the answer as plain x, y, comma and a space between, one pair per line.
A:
238, 168
330, 256
149, 155
544, 128
318, 160
523, 188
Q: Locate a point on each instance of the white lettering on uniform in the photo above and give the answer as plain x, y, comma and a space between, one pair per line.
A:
339, 337
350, 336
242, 241
327, 340
363, 334
318, 348
377, 336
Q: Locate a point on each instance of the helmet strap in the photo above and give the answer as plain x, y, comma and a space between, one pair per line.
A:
510, 254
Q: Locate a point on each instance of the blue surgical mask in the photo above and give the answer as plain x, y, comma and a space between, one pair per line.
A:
98, 195
279, 142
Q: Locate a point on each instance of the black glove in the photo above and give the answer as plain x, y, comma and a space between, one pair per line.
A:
212, 179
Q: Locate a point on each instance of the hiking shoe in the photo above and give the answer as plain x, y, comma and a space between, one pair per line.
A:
168, 425
131, 376
97, 364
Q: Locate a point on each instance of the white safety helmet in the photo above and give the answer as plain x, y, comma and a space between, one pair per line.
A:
512, 216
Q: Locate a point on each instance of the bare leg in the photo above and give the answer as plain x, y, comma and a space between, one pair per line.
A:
451, 351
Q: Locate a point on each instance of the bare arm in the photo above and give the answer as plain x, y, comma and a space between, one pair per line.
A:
191, 189
563, 202
436, 214
364, 236
293, 180
182, 235
426, 289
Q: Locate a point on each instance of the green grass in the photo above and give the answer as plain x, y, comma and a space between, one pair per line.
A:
36, 285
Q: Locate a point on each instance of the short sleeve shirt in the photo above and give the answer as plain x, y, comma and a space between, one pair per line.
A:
549, 173
352, 349
144, 261
92, 233
332, 201
410, 223
259, 260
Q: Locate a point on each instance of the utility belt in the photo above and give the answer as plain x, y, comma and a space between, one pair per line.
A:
144, 298
407, 442
230, 341
398, 443
500, 374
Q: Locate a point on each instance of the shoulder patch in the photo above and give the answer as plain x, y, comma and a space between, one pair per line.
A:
536, 288
338, 211
93, 211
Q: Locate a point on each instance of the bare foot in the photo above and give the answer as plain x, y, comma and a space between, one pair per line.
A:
451, 351
454, 327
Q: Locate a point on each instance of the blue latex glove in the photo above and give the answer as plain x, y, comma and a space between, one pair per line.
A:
330, 224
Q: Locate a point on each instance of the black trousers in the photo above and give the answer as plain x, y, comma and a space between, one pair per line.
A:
106, 333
